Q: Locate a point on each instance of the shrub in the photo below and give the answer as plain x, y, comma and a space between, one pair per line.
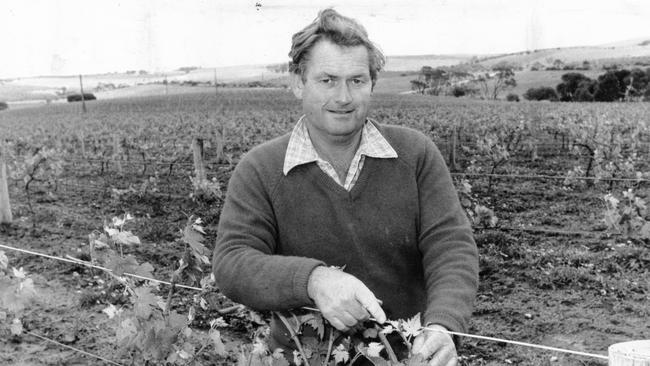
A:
512, 97
541, 93
77, 97
462, 90
458, 91
608, 89
3, 106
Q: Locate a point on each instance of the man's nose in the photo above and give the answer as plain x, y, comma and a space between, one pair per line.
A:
343, 95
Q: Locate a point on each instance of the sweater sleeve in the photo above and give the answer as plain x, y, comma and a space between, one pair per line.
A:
244, 263
449, 253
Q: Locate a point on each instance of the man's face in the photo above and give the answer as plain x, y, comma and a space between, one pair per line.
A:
335, 90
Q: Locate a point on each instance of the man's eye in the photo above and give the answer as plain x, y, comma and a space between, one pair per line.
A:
326, 81
358, 81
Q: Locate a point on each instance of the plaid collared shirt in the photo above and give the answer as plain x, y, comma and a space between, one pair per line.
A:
301, 151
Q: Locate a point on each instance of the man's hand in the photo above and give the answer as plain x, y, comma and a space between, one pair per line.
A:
342, 298
437, 345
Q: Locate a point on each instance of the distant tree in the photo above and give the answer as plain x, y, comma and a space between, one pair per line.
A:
512, 97
567, 88
418, 86
142, 72
541, 93
78, 98
586, 65
585, 91
636, 83
609, 88
3, 106
187, 69
501, 78
536, 66
436, 79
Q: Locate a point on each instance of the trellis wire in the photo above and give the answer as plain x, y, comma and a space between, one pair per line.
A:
493, 339
550, 177
88, 264
72, 348
501, 340
525, 344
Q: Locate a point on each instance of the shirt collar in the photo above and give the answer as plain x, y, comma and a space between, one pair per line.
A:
300, 149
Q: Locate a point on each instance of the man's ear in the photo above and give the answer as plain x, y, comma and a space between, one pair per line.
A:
297, 85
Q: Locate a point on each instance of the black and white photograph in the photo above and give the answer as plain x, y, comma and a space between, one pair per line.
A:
323, 183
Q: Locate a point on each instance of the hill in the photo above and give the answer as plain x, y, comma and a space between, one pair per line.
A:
399, 71
626, 53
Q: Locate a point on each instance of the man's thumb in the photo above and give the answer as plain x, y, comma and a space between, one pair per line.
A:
417, 345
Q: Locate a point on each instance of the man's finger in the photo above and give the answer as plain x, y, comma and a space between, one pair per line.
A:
359, 312
445, 356
371, 304
338, 325
348, 319
417, 344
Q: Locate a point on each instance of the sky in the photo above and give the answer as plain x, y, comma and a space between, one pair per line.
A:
67, 37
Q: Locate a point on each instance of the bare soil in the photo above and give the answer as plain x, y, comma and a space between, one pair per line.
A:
550, 273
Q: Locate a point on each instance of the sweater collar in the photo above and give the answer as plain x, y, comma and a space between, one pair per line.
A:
300, 149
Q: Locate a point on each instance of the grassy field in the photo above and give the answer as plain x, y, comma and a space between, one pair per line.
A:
551, 271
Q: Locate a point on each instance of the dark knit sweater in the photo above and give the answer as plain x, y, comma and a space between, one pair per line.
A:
400, 230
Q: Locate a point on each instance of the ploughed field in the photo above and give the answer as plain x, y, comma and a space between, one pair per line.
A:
559, 264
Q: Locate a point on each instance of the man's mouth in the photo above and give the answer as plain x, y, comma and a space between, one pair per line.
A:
344, 111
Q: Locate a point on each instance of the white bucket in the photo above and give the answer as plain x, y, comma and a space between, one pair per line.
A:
634, 353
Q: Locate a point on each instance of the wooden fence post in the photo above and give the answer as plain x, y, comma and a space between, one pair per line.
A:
199, 168
453, 166
117, 152
83, 98
5, 205
82, 143
219, 146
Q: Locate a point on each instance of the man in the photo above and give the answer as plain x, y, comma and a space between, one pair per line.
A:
342, 191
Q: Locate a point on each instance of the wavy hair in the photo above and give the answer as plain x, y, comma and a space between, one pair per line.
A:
338, 29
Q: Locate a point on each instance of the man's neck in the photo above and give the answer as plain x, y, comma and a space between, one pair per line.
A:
338, 150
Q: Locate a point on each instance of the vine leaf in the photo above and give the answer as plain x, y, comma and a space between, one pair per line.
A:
125, 237
112, 311
279, 361
374, 348
219, 347
177, 321
644, 233
144, 301
158, 341
370, 333
413, 326
121, 265
4, 261
126, 331
144, 270
194, 239
19, 273
297, 359
315, 321
16, 327
278, 358
341, 354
